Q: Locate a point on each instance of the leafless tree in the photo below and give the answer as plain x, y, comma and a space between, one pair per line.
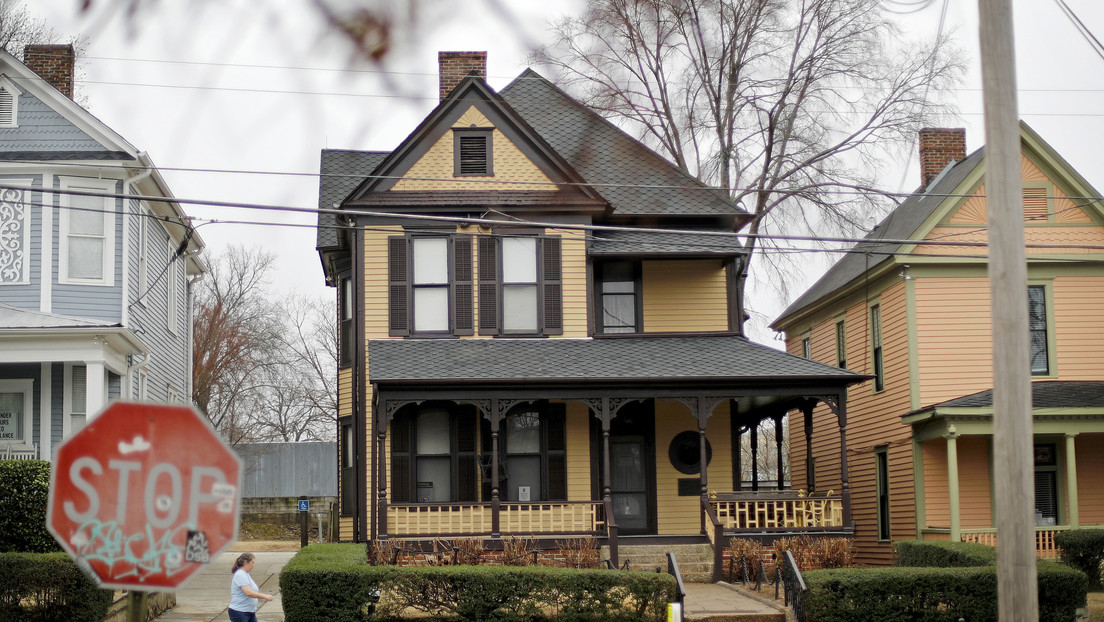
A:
19, 28
765, 459
789, 104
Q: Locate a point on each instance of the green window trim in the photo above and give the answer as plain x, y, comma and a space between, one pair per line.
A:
877, 362
881, 483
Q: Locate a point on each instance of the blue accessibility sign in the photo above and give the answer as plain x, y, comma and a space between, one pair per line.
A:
304, 505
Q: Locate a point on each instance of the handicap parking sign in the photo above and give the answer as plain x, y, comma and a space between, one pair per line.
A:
304, 505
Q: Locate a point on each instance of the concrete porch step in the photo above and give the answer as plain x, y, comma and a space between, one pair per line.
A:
695, 560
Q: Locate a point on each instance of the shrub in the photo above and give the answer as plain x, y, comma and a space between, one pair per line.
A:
579, 552
928, 554
334, 582
747, 548
1083, 549
24, 491
48, 587
933, 594
832, 552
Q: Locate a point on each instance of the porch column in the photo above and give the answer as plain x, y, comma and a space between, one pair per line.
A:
496, 501
46, 376
778, 448
381, 462
840, 406
810, 476
952, 482
1071, 480
703, 458
94, 395
737, 447
754, 456
604, 417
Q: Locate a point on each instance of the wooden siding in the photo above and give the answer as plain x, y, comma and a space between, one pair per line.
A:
936, 493
1079, 330
435, 169
574, 275
682, 515
1072, 237
974, 482
953, 326
684, 296
1090, 478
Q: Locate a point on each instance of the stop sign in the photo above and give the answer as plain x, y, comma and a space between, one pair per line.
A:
144, 495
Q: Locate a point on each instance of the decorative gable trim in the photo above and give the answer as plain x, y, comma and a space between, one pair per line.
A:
15, 233
9, 102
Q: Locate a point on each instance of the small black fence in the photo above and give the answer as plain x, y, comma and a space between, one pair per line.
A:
753, 574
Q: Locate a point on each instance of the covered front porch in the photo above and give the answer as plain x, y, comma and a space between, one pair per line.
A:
953, 442
572, 452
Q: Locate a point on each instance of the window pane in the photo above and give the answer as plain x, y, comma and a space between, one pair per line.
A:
619, 313
86, 222
1046, 498
430, 309
523, 433
11, 416
1036, 307
433, 432
1039, 363
430, 260
519, 308
617, 271
80, 384
434, 483
86, 258
525, 480
519, 260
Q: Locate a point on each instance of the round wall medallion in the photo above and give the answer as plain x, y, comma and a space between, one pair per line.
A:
685, 452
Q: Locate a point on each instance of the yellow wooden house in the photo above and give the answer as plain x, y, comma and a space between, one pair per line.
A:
541, 337
910, 307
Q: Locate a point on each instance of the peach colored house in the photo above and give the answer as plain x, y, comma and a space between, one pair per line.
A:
910, 306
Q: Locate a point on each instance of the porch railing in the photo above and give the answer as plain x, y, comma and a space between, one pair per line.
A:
1045, 545
778, 511
477, 519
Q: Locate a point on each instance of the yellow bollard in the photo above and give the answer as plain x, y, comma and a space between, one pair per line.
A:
674, 612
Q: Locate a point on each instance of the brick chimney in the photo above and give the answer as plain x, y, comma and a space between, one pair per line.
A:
54, 63
938, 147
455, 66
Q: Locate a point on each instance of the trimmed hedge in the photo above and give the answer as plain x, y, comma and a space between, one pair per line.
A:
24, 491
933, 594
1084, 550
927, 554
48, 587
334, 582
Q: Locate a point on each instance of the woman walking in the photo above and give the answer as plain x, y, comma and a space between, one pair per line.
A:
243, 591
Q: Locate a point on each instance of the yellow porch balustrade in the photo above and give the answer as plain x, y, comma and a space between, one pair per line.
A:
778, 511
476, 519
1045, 546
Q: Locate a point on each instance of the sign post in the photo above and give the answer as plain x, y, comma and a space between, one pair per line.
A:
144, 496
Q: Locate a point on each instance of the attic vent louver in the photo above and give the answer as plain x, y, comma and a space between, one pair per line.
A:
473, 152
7, 108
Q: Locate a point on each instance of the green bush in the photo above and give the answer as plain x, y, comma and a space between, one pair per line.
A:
933, 594
1083, 549
24, 490
334, 582
48, 587
928, 554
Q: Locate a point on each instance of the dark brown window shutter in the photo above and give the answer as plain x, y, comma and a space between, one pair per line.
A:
488, 286
557, 477
555, 445
463, 320
400, 459
552, 286
398, 286
557, 434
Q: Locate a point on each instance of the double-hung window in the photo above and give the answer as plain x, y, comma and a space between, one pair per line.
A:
430, 284
15, 411
876, 346
881, 480
520, 285
1037, 325
172, 287
1046, 484
433, 454
618, 284
87, 234
841, 345
345, 304
533, 451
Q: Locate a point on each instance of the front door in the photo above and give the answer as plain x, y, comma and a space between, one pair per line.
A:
632, 468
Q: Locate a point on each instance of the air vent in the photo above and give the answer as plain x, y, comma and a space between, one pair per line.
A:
7, 108
473, 155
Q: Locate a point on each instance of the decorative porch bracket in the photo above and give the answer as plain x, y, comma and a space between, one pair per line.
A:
836, 403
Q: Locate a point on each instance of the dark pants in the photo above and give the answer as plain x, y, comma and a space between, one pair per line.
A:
242, 616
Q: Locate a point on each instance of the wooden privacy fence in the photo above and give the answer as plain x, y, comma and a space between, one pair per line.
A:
476, 519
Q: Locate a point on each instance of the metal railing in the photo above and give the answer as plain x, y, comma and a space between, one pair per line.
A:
794, 585
680, 597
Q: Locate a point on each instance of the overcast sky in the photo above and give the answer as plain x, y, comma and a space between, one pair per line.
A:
262, 86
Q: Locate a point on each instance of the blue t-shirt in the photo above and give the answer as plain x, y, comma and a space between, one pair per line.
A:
238, 600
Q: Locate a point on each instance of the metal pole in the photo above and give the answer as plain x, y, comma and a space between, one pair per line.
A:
1012, 430
137, 610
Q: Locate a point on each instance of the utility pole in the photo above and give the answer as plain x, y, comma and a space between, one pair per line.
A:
1012, 425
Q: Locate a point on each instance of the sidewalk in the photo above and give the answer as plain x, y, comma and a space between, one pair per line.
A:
205, 597
719, 602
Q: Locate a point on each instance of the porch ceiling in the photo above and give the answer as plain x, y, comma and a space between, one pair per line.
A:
714, 360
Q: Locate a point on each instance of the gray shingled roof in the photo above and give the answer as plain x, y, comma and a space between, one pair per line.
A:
635, 243
342, 170
1046, 394
640, 359
900, 224
632, 178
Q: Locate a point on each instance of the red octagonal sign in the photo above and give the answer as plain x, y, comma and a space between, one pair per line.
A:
144, 495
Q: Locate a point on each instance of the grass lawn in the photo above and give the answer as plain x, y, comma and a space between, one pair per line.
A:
1096, 606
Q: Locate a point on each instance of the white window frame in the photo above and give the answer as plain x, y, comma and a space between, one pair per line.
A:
9, 87
26, 387
174, 395
172, 298
143, 252
67, 401
108, 269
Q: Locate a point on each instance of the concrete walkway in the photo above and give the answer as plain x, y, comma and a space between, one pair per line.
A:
207, 595
716, 602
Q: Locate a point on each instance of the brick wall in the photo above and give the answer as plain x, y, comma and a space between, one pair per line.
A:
54, 63
938, 147
455, 66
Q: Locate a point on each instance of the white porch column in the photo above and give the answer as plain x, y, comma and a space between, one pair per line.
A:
95, 392
1071, 480
45, 410
952, 482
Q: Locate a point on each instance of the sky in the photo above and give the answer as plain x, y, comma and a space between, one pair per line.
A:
262, 87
